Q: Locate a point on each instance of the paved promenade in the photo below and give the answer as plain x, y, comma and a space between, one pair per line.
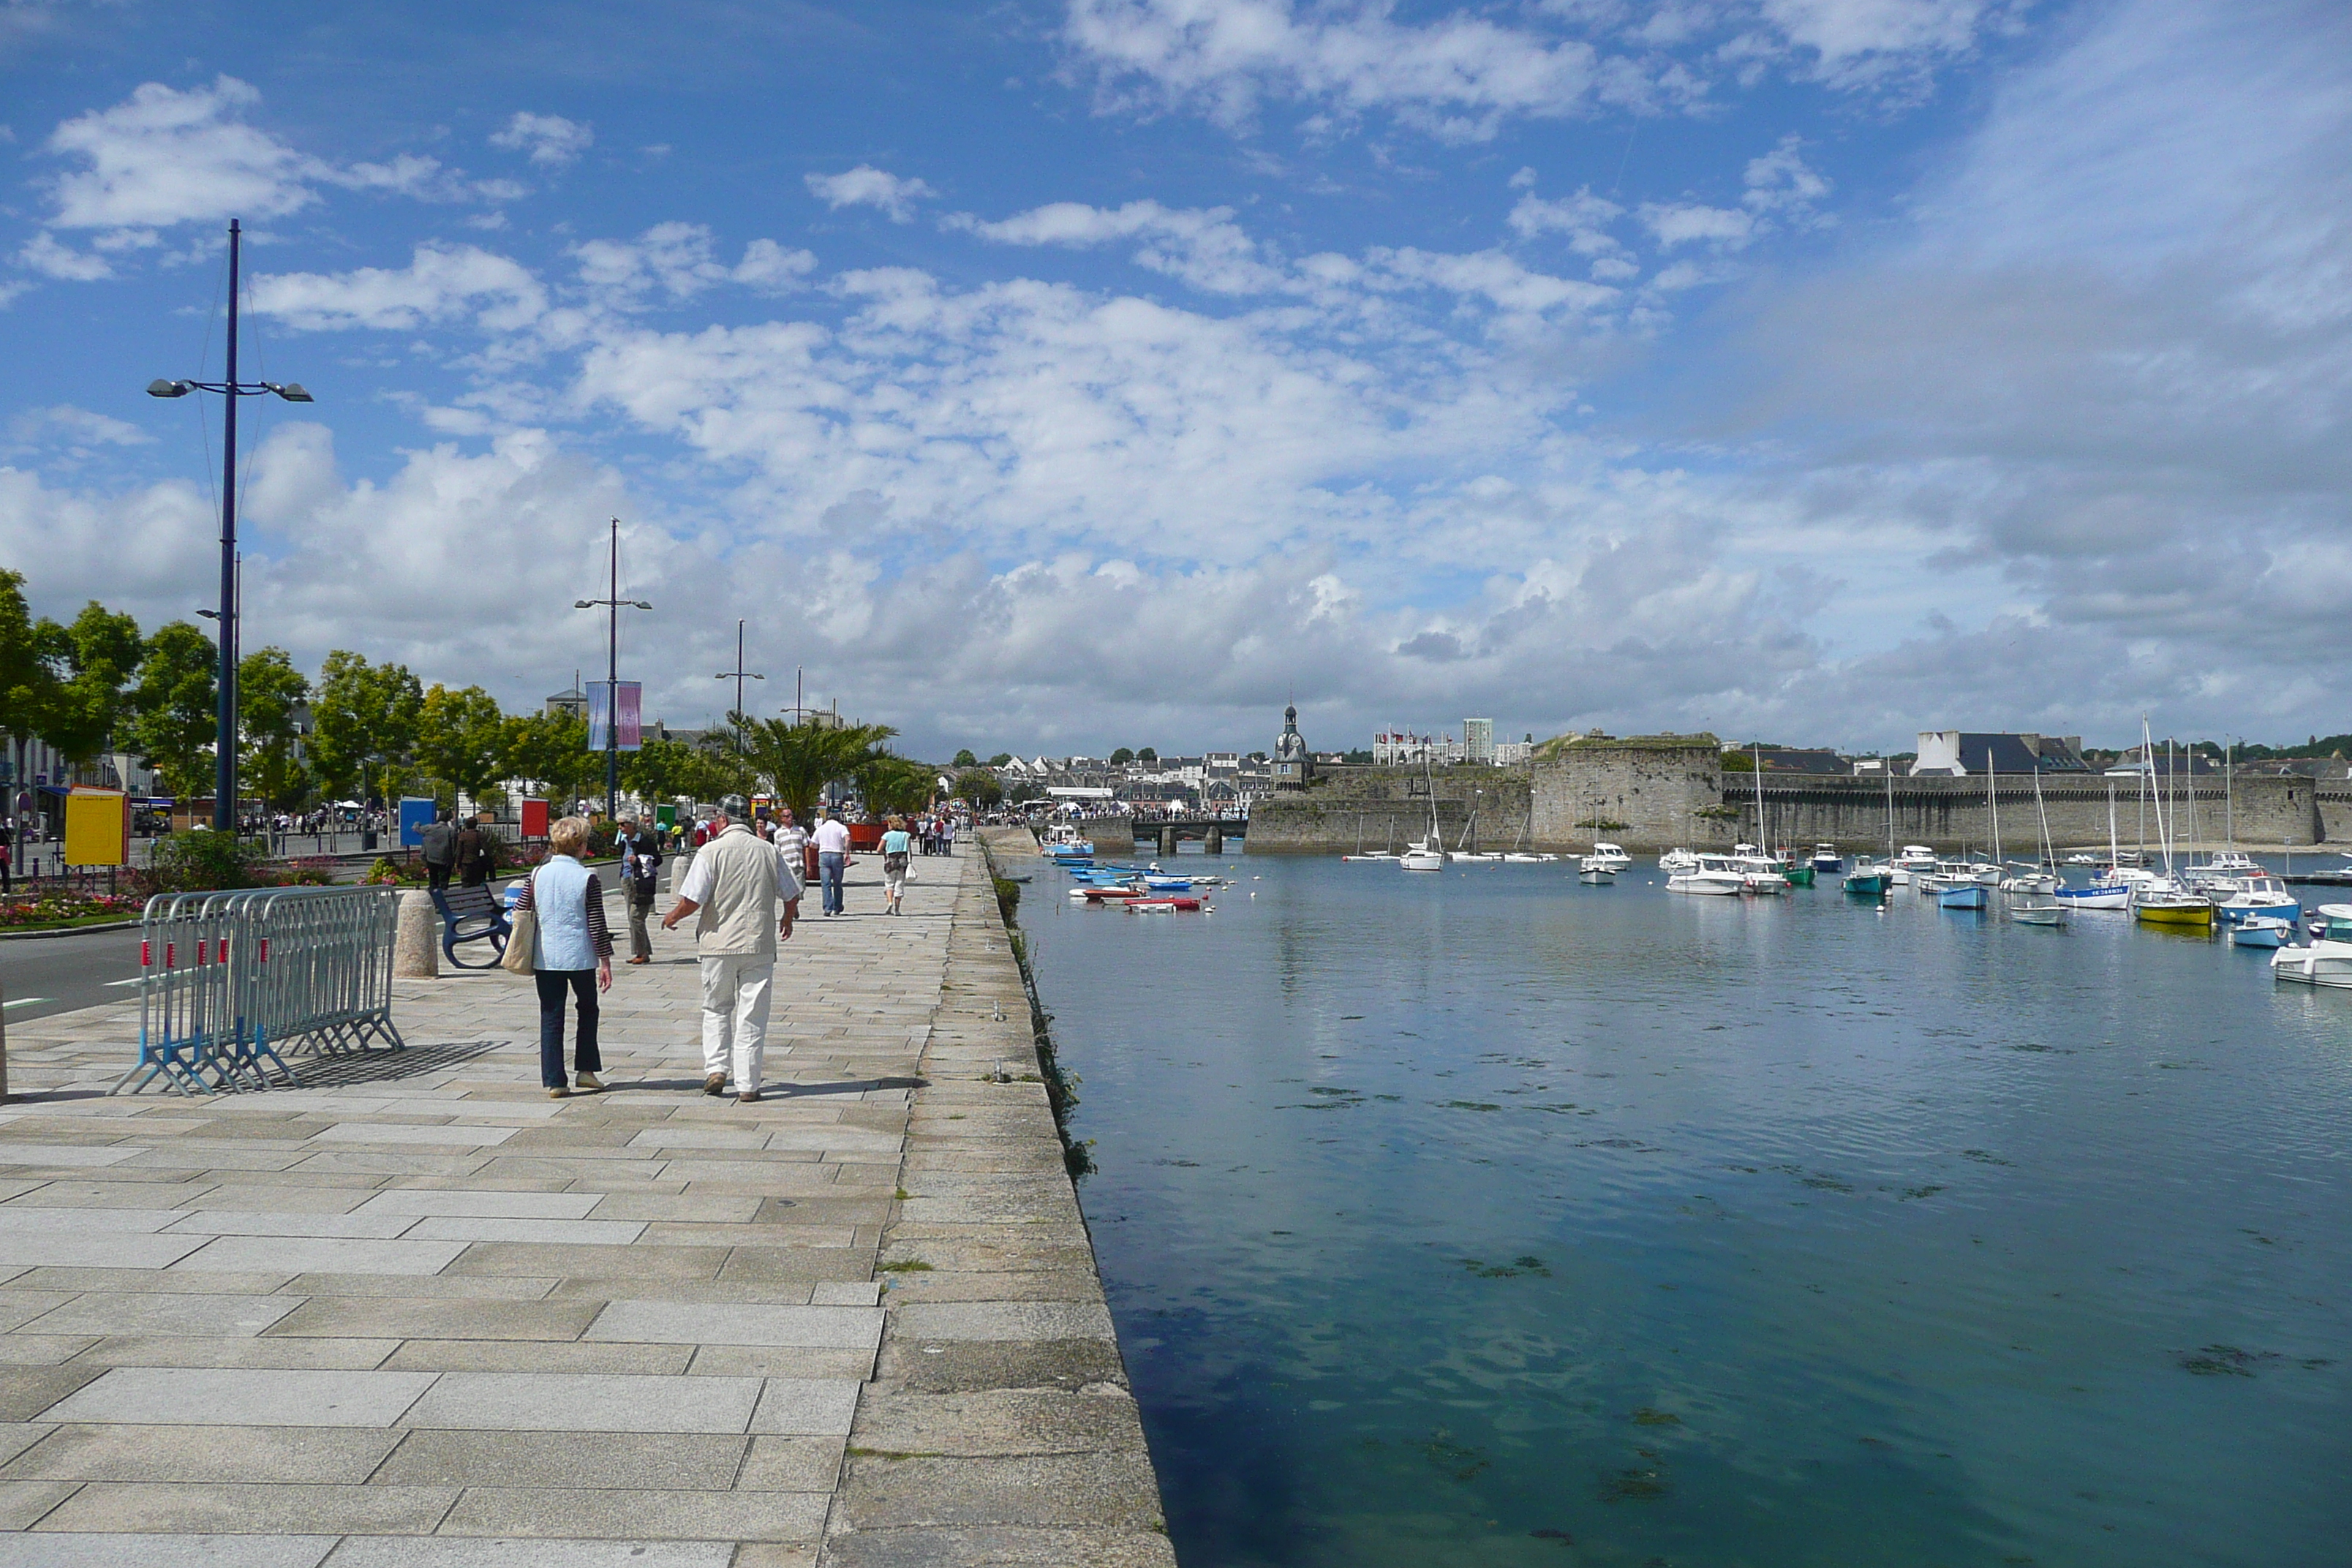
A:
417, 1314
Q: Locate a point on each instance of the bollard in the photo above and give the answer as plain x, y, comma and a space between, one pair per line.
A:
416, 948
3, 1043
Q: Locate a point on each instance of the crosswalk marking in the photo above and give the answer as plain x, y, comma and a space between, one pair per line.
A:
24, 1002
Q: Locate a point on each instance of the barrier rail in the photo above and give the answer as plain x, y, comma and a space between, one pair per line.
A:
230, 981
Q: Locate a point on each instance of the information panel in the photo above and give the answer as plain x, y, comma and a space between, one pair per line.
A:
98, 828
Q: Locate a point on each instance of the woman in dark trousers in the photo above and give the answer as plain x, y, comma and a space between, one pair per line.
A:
573, 945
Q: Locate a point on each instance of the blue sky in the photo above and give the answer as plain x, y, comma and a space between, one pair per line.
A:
1074, 373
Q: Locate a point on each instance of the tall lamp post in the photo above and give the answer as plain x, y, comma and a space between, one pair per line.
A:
613, 675
230, 390
739, 674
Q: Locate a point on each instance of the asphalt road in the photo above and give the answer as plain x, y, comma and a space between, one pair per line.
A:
41, 975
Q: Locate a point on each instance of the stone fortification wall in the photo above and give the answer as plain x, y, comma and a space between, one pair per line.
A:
1646, 792
1386, 808
1948, 813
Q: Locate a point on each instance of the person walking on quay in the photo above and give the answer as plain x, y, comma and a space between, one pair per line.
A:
897, 843
832, 859
641, 859
477, 855
742, 892
791, 843
437, 842
567, 904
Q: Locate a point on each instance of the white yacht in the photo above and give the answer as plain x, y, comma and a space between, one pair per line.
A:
2254, 896
1593, 869
1714, 875
1761, 873
2326, 960
1914, 857
1674, 860
1607, 857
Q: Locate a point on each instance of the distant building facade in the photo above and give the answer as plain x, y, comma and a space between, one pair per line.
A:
1967, 754
1294, 764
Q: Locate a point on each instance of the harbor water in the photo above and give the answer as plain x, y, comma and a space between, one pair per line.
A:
1484, 1218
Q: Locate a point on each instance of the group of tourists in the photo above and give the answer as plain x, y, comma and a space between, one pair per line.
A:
742, 889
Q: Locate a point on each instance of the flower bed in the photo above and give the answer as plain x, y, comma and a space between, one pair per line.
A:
69, 909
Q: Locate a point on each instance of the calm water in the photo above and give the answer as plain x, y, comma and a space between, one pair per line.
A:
1487, 1218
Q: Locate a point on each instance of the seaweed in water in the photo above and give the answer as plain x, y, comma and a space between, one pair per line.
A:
1563, 1537
1645, 1417
1467, 1105
1523, 1264
1633, 1486
1927, 1192
1461, 1462
1983, 1156
2225, 1361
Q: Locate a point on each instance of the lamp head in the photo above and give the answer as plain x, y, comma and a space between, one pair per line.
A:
583, 604
168, 389
640, 603
292, 392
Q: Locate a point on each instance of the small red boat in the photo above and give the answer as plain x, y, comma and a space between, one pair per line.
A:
1158, 906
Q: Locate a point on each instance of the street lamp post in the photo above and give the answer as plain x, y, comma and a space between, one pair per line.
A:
230, 390
739, 674
613, 675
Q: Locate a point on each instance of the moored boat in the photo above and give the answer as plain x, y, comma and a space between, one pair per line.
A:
1714, 875
1968, 895
1827, 861
1593, 871
2261, 931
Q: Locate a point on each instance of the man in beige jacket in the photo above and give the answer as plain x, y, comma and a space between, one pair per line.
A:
742, 892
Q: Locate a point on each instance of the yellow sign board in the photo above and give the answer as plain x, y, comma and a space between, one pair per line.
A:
98, 828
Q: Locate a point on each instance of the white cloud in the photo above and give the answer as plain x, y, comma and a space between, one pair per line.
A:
1781, 189
65, 425
1687, 223
553, 141
1855, 40
866, 185
1203, 246
163, 157
680, 261
43, 254
440, 284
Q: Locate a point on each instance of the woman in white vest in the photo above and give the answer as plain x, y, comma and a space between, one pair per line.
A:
568, 904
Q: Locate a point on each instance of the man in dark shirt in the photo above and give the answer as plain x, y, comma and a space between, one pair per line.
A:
477, 858
641, 858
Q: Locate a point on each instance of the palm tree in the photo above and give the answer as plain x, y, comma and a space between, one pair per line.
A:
799, 760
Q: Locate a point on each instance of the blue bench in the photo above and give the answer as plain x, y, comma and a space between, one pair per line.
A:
461, 906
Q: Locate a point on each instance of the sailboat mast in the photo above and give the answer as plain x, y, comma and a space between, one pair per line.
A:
1763, 838
2229, 794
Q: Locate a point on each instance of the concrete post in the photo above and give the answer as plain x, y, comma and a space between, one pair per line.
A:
1167, 842
416, 943
1216, 844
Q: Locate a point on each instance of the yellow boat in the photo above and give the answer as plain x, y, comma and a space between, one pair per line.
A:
2175, 910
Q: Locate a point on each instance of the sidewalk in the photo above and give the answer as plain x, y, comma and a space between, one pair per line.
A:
419, 1315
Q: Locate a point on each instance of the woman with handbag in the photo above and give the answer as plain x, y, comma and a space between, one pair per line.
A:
896, 845
560, 941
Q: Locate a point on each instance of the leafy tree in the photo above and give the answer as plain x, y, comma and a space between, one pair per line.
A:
366, 717
176, 708
98, 654
797, 761
997, 761
461, 738
964, 759
666, 770
1121, 757
1147, 755
895, 784
268, 691
551, 750
28, 683
978, 787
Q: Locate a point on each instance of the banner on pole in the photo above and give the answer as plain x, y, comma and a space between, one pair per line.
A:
98, 828
601, 715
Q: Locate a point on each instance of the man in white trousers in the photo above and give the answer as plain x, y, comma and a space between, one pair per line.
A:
741, 890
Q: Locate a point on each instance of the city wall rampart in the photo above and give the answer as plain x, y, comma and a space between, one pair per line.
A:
1948, 813
1387, 808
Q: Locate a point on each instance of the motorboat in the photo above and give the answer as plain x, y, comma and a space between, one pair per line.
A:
2326, 959
1608, 856
2256, 897
2037, 910
1827, 861
2261, 931
1968, 895
1762, 874
1914, 857
2229, 864
1869, 879
1169, 884
1474, 856
2095, 897
1712, 877
1521, 857
2033, 882
1674, 860
1591, 869
2162, 904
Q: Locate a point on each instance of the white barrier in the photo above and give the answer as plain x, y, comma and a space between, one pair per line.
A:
231, 982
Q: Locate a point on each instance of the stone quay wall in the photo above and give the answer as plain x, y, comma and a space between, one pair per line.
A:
1387, 808
1646, 792
1947, 813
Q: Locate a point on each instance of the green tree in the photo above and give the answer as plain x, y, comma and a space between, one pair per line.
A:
1147, 755
797, 761
1121, 757
95, 656
176, 708
551, 750
668, 769
964, 759
461, 738
892, 784
997, 761
365, 721
29, 683
979, 787
269, 690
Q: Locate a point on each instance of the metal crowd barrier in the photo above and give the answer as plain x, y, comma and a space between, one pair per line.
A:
231, 982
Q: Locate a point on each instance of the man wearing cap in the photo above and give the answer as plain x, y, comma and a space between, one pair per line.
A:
742, 892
